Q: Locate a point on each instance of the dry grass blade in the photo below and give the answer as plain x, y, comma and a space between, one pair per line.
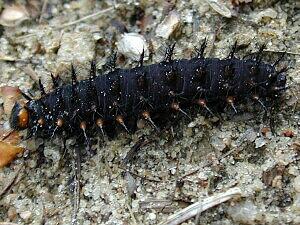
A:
76, 192
91, 16
201, 206
279, 51
7, 223
45, 3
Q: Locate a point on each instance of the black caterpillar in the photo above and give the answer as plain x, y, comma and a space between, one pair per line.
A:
120, 97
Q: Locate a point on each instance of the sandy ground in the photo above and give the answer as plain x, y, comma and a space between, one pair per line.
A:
237, 152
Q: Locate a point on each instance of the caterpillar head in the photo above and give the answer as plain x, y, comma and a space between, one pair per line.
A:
19, 118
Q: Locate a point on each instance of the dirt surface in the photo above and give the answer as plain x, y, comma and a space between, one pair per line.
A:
239, 151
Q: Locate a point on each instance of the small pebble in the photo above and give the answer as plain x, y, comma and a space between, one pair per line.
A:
250, 134
13, 15
12, 213
245, 213
259, 142
265, 14
218, 143
25, 215
192, 124
132, 46
131, 184
220, 7
297, 184
76, 48
169, 25
152, 216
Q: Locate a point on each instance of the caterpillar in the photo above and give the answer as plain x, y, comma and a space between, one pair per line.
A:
121, 96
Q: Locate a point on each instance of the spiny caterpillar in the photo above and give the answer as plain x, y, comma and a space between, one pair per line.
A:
122, 96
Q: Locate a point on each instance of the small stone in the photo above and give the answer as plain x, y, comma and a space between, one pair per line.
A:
192, 124
220, 8
173, 170
297, 184
296, 204
218, 144
277, 181
245, 213
259, 142
293, 170
13, 15
152, 216
12, 213
265, 14
250, 134
169, 25
132, 46
76, 48
131, 184
297, 220
26, 215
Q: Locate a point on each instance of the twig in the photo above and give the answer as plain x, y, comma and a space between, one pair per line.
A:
76, 194
11, 182
131, 214
133, 151
140, 176
43, 10
201, 206
94, 15
91, 16
7, 223
279, 51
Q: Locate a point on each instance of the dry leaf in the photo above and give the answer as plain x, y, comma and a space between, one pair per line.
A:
8, 152
11, 137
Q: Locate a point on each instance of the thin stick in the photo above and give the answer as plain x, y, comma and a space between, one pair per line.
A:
131, 214
7, 223
91, 16
43, 10
140, 176
77, 174
279, 51
94, 15
201, 206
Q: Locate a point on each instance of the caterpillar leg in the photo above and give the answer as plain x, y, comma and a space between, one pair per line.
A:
200, 52
169, 53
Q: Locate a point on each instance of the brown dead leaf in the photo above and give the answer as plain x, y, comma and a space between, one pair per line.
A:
10, 136
8, 152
